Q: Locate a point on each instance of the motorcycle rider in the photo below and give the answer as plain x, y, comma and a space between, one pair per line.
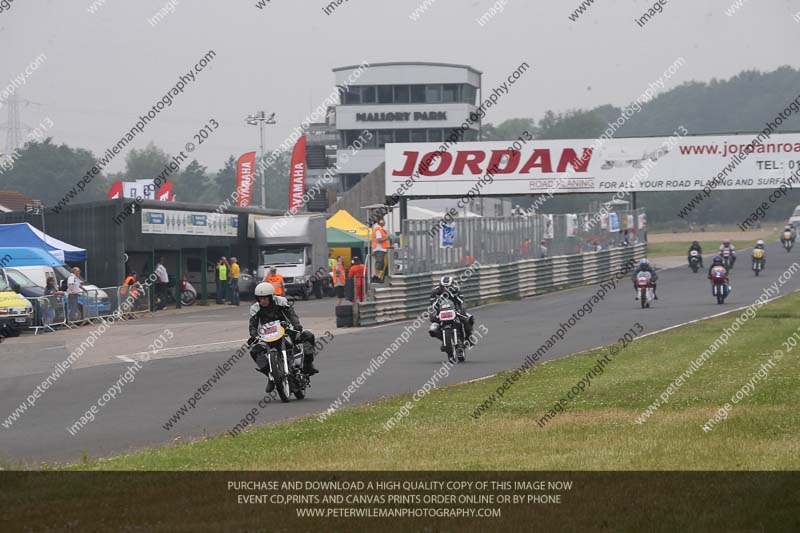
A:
645, 266
449, 289
760, 246
727, 245
717, 263
695, 246
270, 308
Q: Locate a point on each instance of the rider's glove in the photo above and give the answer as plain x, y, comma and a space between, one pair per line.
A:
298, 327
251, 340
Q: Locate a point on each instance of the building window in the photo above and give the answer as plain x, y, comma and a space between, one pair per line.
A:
352, 95
468, 94
368, 95
385, 137
450, 93
385, 94
433, 94
417, 94
402, 94
402, 136
435, 135
418, 136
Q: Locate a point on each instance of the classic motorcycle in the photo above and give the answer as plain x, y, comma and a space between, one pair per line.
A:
786, 240
188, 295
285, 360
727, 259
718, 282
644, 288
694, 261
452, 328
758, 260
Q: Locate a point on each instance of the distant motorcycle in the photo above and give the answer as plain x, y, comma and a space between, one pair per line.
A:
644, 288
188, 295
694, 261
719, 284
285, 360
452, 328
786, 240
758, 260
727, 261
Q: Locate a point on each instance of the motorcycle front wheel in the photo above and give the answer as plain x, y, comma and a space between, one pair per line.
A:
643, 297
279, 376
448, 344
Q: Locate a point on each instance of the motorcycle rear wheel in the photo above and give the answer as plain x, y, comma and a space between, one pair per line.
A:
187, 298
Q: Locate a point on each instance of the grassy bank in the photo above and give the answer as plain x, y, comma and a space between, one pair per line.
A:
597, 431
669, 249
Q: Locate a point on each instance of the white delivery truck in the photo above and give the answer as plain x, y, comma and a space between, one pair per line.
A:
297, 247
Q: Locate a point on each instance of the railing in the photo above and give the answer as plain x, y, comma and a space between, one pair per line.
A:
407, 297
91, 306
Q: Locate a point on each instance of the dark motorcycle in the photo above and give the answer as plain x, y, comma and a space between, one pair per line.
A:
718, 284
285, 360
188, 295
452, 328
727, 259
694, 261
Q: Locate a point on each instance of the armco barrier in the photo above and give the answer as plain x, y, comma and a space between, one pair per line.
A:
408, 296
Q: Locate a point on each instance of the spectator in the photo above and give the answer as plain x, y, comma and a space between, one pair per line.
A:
234, 281
162, 281
74, 287
542, 249
52, 288
331, 261
49, 309
339, 279
357, 274
222, 279
380, 245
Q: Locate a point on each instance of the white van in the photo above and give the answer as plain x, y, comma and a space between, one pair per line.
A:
794, 220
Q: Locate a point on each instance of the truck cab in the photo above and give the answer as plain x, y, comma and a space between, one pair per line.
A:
298, 250
15, 311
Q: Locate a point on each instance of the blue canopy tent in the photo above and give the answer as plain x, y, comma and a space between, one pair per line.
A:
25, 235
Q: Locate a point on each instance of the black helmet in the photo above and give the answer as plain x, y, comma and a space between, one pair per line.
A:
695, 243
717, 260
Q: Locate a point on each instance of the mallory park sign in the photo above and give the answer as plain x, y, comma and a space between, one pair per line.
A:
401, 116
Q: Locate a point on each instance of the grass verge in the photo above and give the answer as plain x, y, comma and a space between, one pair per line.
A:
671, 249
597, 430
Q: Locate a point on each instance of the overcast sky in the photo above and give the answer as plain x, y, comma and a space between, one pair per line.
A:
105, 69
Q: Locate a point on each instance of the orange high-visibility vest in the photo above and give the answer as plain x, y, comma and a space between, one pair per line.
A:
339, 276
277, 282
379, 233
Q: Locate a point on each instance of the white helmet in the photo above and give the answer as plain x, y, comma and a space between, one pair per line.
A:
264, 289
759, 242
446, 281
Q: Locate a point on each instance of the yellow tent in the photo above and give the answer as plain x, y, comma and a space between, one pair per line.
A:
346, 222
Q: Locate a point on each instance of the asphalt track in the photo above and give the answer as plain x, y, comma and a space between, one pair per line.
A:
513, 330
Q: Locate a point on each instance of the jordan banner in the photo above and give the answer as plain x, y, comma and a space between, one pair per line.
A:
244, 178
297, 175
165, 192
115, 191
